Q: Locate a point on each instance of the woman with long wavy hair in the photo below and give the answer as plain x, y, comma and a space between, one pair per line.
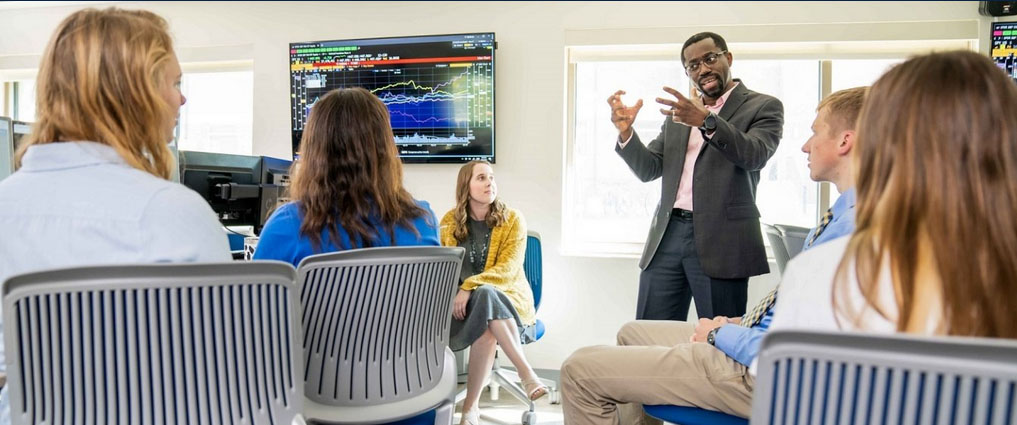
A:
347, 187
93, 185
494, 305
935, 245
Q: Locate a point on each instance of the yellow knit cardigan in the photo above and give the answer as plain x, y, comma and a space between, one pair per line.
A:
504, 267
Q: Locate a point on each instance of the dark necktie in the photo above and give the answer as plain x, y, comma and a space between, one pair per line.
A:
753, 317
827, 218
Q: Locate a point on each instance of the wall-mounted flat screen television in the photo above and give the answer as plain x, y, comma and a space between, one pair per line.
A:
1004, 46
439, 90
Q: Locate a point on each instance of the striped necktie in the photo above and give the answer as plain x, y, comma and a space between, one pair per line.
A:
755, 316
827, 218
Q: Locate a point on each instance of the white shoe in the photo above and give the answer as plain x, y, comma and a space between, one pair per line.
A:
470, 417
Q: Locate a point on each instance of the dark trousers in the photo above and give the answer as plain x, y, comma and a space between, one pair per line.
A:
675, 275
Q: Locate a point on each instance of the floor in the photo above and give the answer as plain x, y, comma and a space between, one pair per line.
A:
509, 410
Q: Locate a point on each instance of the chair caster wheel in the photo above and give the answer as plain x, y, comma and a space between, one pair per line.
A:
529, 418
555, 396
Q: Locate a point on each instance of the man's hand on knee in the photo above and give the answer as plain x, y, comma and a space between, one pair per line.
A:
705, 326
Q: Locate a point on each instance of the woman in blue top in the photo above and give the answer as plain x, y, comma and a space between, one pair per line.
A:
347, 188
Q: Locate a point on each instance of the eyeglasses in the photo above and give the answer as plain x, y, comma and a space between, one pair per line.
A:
710, 59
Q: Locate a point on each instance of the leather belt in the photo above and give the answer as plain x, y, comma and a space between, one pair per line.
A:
680, 213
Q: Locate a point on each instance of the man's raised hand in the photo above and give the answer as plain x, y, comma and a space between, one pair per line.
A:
683, 110
622, 116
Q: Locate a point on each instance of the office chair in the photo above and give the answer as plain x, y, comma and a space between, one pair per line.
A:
376, 325
166, 343
853, 378
786, 241
794, 238
500, 377
780, 254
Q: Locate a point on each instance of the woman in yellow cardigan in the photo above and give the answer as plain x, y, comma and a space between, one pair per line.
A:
494, 305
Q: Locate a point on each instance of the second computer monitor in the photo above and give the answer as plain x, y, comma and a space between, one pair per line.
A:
242, 190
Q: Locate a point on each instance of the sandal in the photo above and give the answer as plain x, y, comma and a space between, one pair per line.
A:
534, 389
470, 417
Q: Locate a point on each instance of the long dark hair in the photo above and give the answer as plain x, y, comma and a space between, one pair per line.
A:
349, 171
936, 166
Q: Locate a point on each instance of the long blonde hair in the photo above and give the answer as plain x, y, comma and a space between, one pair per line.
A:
99, 81
936, 169
495, 215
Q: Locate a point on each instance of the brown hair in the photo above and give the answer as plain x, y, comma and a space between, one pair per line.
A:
349, 173
495, 215
99, 80
843, 107
937, 173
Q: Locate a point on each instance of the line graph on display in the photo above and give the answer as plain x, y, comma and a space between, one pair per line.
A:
427, 105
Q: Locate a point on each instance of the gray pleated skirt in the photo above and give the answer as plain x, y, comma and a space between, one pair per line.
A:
486, 303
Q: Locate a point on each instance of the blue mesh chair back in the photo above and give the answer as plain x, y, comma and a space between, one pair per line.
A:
376, 325
533, 266
154, 344
846, 378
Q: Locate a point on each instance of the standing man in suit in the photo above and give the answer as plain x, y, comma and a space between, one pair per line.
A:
705, 240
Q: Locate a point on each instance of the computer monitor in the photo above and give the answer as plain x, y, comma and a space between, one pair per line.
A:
20, 129
439, 90
6, 147
242, 190
1004, 47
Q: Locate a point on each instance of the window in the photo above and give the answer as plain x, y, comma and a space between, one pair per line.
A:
848, 73
786, 194
20, 99
218, 116
219, 113
607, 210
604, 194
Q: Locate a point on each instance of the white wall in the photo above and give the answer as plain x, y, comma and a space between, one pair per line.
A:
585, 299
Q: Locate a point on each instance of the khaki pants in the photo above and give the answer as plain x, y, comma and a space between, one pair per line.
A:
654, 364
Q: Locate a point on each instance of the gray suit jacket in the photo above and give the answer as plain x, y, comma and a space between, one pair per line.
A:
726, 220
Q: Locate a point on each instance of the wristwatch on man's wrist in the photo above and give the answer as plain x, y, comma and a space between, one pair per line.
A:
709, 123
711, 337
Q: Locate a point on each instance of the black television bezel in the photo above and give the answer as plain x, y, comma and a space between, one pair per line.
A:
427, 159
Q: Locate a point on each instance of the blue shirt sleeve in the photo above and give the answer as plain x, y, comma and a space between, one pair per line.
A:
280, 236
427, 225
741, 343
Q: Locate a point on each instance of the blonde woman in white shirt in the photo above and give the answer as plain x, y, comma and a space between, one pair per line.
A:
935, 244
92, 187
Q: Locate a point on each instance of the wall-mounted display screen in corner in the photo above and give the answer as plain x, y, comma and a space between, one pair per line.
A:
1004, 46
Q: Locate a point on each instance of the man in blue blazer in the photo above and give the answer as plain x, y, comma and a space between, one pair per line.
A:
705, 239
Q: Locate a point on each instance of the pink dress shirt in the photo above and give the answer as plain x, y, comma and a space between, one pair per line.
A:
684, 198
